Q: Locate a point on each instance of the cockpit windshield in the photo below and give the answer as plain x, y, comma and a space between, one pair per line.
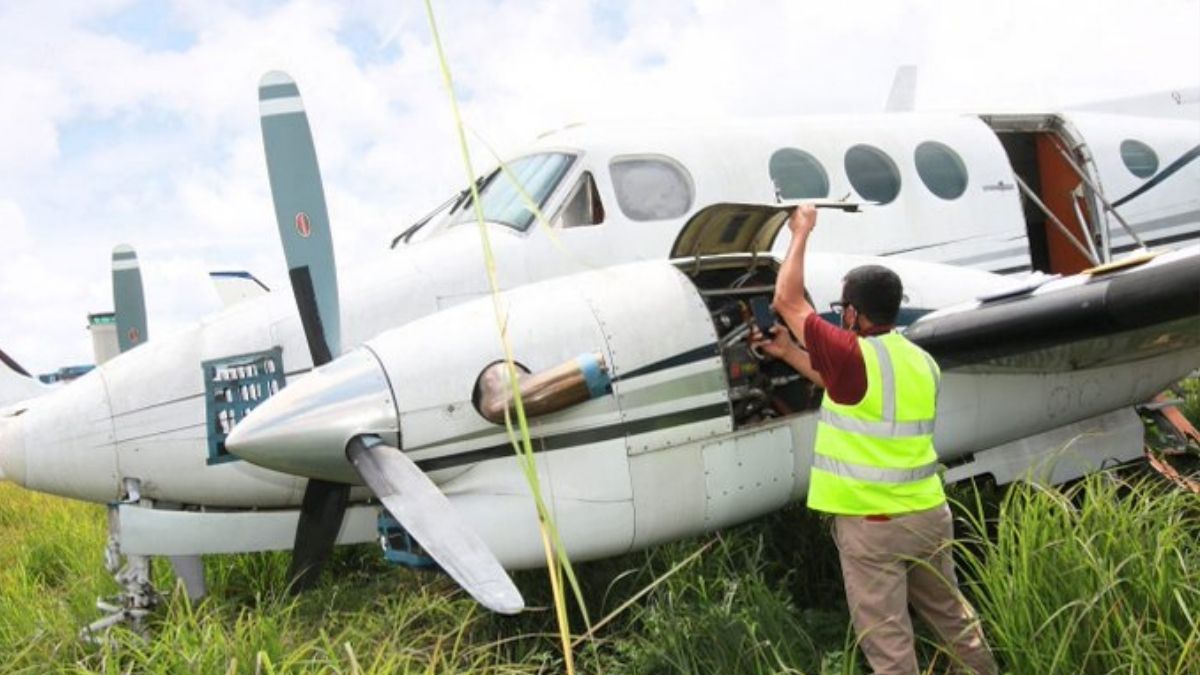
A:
500, 197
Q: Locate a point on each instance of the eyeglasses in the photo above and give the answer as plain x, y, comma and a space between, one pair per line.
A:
839, 306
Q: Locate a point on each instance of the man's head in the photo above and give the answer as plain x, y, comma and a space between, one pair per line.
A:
874, 291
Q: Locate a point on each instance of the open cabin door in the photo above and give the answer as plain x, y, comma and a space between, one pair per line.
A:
1051, 162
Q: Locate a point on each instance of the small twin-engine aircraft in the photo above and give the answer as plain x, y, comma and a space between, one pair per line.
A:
291, 422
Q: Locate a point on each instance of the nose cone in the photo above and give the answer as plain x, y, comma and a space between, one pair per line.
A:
304, 429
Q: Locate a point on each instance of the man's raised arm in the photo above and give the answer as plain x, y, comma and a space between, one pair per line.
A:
790, 303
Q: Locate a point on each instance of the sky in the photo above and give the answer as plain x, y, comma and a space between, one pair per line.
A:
133, 121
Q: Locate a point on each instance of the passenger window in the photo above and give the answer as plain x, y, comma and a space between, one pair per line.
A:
798, 175
651, 187
583, 207
941, 169
1139, 158
872, 173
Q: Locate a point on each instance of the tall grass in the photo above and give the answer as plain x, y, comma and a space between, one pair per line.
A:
51, 571
729, 613
1101, 577
366, 617
1189, 389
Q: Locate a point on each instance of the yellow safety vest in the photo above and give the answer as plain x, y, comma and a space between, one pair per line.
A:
877, 456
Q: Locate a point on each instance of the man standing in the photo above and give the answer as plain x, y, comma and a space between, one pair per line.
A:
874, 465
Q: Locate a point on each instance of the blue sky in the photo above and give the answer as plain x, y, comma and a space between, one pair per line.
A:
136, 121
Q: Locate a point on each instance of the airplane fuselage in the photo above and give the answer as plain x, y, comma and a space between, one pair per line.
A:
948, 186
147, 413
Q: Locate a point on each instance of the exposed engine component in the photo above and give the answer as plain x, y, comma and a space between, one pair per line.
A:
760, 388
583, 377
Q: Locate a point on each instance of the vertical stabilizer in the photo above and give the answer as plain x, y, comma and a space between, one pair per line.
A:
904, 90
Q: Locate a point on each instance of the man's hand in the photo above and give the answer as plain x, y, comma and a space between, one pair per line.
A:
781, 346
777, 346
803, 220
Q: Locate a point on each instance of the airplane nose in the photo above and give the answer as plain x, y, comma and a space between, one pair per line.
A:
304, 429
12, 451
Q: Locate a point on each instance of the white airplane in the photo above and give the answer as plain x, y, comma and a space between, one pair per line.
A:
653, 418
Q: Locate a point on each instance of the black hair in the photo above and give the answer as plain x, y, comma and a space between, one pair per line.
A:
875, 291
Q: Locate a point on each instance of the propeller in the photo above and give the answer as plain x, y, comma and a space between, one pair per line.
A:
429, 517
303, 222
129, 302
282, 431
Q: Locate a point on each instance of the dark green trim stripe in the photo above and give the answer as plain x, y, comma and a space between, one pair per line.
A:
582, 437
691, 356
278, 91
1184, 159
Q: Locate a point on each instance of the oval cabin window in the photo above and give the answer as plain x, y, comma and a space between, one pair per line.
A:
941, 169
872, 173
1139, 158
798, 175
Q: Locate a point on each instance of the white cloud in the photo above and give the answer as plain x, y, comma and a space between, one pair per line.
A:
105, 139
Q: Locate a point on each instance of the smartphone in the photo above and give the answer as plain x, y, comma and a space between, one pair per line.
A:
764, 316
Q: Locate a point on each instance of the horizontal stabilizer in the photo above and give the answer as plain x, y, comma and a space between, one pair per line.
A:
430, 518
237, 287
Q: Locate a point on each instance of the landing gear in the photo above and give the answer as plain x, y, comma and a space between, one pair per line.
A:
137, 597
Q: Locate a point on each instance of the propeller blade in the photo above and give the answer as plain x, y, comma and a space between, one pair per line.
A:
300, 212
129, 302
429, 517
316, 532
303, 222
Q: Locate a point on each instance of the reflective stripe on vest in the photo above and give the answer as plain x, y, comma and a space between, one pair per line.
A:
874, 474
880, 429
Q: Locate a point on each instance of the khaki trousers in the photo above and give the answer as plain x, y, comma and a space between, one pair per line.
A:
887, 564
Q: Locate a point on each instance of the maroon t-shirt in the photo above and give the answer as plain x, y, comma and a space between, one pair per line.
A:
835, 355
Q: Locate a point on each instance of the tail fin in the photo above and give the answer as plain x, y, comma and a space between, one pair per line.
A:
904, 90
16, 384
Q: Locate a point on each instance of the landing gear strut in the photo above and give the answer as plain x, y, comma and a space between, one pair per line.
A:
137, 597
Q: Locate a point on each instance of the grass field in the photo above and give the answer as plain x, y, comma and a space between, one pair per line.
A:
1103, 577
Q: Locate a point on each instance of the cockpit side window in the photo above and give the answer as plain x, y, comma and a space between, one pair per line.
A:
583, 207
501, 198
651, 187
